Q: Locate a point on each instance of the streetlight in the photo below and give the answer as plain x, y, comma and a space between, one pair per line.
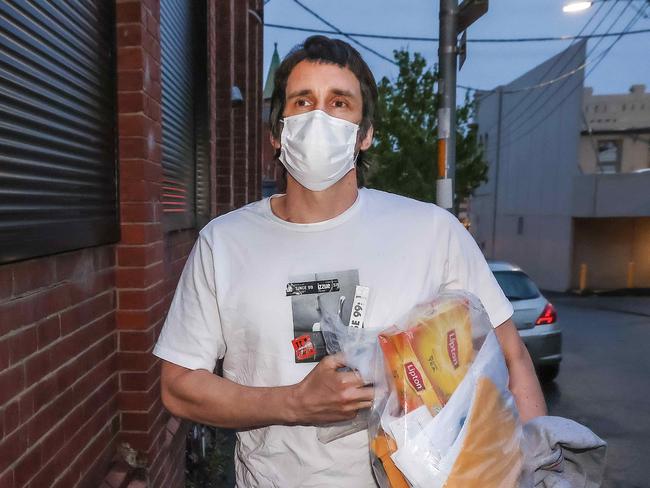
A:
576, 6
579, 5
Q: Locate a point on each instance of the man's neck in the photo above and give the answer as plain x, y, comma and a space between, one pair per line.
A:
303, 206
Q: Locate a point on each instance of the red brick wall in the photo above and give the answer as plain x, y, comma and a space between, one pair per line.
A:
58, 361
79, 387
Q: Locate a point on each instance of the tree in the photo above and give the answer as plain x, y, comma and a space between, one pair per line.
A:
404, 154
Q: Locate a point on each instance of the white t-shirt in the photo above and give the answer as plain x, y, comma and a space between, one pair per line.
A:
252, 291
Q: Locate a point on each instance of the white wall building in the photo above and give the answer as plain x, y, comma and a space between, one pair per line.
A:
557, 198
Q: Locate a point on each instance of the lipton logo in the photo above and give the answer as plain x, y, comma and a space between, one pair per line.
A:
414, 376
452, 347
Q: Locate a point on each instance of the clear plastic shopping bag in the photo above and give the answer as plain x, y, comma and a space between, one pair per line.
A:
443, 415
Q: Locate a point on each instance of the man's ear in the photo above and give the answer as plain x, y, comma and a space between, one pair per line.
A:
367, 140
274, 142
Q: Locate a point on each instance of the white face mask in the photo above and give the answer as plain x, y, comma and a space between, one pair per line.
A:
318, 149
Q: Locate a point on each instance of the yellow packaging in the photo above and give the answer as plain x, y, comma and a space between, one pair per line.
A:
408, 374
443, 346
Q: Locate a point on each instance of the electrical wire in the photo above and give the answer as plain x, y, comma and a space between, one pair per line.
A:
435, 39
340, 32
546, 72
521, 110
600, 58
520, 125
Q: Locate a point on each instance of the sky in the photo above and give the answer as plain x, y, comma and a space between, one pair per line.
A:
487, 65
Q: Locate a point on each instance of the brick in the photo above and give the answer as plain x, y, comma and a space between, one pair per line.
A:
141, 319
33, 274
139, 212
73, 265
152, 110
140, 277
4, 353
136, 341
140, 255
129, 34
130, 80
129, 12
93, 285
141, 233
22, 344
6, 281
130, 102
139, 191
135, 361
133, 125
130, 58
85, 312
133, 148
103, 257
11, 417
50, 359
12, 382
140, 300
12, 447
28, 466
47, 331
7, 479
137, 400
50, 301
133, 382
140, 169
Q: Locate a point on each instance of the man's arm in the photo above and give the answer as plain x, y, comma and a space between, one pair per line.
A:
523, 381
324, 395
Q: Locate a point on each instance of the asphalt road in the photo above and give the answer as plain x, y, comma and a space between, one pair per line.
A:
604, 383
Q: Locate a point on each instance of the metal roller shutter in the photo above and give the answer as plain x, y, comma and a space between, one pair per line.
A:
184, 112
57, 119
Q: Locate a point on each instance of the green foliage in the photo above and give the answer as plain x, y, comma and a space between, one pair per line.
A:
404, 154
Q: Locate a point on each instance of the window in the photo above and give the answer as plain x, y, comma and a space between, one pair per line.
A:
516, 285
58, 189
185, 189
609, 156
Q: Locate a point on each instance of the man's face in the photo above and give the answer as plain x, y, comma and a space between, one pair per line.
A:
327, 87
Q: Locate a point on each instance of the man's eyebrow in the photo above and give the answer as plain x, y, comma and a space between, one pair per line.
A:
343, 93
299, 93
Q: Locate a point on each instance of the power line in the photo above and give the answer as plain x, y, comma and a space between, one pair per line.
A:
339, 31
602, 56
435, 39
519, 125
547, 71
525, 110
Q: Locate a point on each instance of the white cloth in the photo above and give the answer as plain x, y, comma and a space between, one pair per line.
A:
232, 302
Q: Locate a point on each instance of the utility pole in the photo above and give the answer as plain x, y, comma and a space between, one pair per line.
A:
497, 167
447, 52
454, 20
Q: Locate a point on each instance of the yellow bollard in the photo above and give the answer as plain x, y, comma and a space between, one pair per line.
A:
583, 277
630, 274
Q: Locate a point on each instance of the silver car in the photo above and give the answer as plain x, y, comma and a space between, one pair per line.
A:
535, 318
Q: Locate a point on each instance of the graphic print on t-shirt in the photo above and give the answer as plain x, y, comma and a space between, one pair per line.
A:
312, 295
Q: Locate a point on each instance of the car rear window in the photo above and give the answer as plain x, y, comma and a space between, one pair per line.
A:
516, 285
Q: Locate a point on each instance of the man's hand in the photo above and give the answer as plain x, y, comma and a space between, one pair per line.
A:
327, 395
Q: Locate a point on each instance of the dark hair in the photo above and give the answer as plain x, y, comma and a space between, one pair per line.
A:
322, 49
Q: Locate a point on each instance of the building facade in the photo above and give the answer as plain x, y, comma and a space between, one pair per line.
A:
567, 196
122, 136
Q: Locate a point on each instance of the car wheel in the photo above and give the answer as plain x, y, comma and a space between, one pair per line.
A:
548, 373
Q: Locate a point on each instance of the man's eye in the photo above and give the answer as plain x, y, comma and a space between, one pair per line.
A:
340, 103
301, 102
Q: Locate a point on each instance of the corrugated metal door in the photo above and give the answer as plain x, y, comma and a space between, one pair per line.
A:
57, 119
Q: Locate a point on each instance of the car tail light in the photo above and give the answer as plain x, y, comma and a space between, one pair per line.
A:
548, 315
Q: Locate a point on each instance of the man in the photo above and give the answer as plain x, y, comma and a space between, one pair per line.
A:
258, 278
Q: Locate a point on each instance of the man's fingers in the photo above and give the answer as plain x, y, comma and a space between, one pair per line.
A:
336, 360
363, 394
350, 378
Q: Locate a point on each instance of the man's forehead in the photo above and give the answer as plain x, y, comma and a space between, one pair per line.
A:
307, 77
